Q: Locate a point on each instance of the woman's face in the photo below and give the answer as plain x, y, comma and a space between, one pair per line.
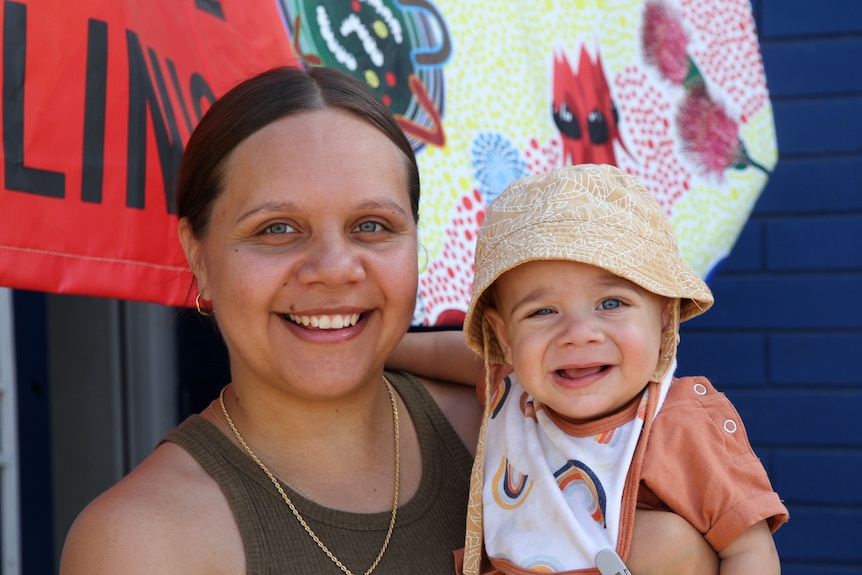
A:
310, 257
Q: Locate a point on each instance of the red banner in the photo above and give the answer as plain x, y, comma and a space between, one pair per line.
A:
99, 98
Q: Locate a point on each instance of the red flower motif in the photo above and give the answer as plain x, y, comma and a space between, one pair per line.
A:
665, 42
709, 136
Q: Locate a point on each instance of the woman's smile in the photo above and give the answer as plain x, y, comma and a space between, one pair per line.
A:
325, 321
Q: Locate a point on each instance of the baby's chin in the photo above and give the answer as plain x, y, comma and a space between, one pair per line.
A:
585, 408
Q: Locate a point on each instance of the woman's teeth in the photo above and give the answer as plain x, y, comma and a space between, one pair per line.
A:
325, 321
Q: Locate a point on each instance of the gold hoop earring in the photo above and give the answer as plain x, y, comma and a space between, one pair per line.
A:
203, 312
422, 258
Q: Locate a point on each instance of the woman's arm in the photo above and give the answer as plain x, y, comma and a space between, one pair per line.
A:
461, 407
440, 355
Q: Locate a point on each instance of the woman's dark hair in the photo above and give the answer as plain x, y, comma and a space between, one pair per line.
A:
256, 103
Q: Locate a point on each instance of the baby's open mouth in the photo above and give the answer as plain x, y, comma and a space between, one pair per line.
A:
581, 372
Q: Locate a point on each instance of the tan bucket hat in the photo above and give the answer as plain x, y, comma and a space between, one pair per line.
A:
593, 214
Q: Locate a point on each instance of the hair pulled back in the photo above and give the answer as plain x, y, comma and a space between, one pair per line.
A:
256, 103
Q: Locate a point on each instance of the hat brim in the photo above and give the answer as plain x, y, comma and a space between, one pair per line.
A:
596, 243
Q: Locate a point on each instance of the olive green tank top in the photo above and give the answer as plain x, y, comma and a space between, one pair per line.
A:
428, 529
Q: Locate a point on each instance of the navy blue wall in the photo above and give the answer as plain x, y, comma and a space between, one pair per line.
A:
34, 434
784, 339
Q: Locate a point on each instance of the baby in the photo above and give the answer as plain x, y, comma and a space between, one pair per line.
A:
579, 290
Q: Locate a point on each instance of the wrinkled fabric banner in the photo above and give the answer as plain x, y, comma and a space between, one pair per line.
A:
100, 95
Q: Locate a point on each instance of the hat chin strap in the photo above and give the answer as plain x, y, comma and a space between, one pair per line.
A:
669, 343
474, 538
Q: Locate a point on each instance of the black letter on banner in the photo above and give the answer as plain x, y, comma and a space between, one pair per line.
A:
94, 111
141, 97
179, 92
210, 6
200, 88
18, 176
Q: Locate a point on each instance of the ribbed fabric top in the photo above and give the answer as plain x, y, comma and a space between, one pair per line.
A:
429, 527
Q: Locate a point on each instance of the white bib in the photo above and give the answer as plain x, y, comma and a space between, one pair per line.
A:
552, 501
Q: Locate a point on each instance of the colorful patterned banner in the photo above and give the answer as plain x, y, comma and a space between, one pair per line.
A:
672, 92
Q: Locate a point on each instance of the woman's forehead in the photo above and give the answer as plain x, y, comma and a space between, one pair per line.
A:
321, 150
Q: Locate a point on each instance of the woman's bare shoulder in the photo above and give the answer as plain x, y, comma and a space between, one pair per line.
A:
166, 516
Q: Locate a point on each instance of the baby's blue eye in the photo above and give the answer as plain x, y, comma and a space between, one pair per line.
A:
611, 304
543, 311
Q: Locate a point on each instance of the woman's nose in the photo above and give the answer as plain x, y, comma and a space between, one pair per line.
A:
331, 259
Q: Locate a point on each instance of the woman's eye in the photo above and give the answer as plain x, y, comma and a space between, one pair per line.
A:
278, 229
369, 227
611, 304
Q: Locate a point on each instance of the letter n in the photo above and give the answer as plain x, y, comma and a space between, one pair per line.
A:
142, 96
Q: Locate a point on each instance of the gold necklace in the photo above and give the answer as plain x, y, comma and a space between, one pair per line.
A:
293, 508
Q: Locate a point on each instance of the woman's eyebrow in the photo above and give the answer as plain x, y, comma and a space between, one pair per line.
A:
269, 206
383, 204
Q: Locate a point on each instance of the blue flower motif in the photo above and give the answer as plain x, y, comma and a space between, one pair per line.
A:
496, 162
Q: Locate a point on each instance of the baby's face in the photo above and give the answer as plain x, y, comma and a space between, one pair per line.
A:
581, 340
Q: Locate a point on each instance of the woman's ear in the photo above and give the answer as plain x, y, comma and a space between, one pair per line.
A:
191, 247
499, 326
